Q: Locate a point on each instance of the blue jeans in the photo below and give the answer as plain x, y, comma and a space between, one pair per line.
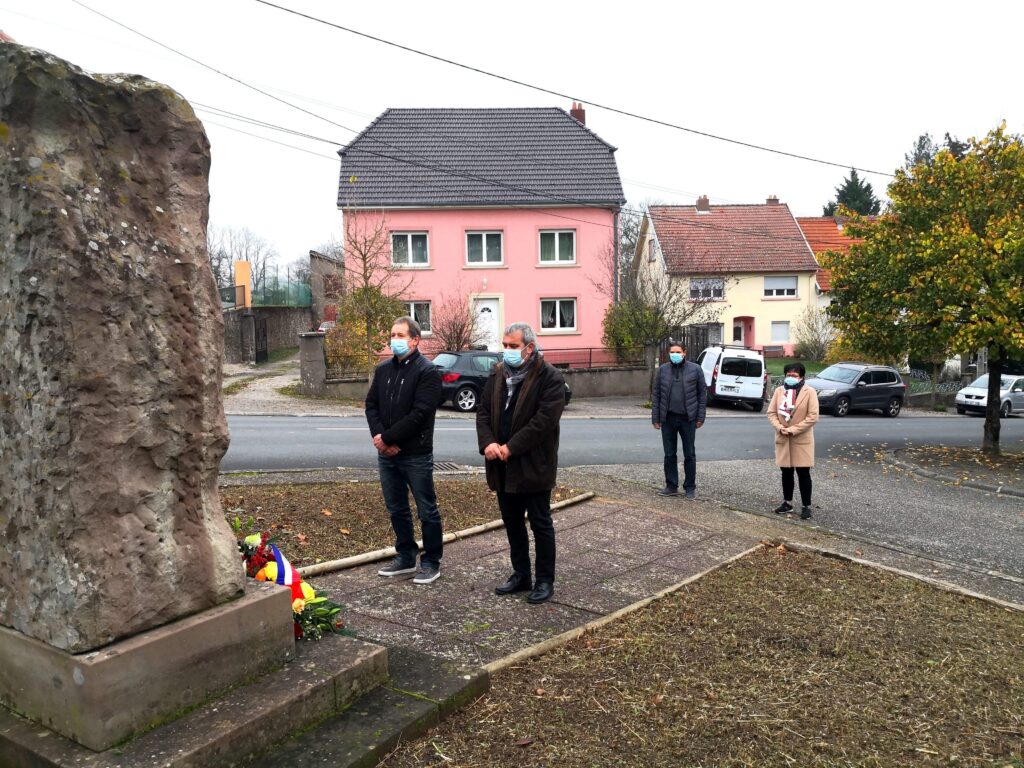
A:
398, 475
675, 425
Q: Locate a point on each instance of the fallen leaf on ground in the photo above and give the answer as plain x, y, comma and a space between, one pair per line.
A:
524, 742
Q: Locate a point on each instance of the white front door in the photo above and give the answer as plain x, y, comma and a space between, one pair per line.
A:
487, 319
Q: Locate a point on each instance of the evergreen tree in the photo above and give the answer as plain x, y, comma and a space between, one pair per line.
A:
923, 151
856, 195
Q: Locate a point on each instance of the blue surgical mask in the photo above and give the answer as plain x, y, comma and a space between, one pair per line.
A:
676, 357
400, 347
512, 357
791, 381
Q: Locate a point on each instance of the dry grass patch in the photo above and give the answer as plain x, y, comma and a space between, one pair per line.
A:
326, 521
780, 659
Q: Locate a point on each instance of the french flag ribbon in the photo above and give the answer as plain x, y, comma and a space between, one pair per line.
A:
286, 574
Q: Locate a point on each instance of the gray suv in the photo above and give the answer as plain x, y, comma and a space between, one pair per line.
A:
853, 386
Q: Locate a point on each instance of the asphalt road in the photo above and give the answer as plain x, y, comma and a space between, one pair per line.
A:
314, 442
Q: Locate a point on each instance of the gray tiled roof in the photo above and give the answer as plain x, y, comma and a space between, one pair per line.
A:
478, 157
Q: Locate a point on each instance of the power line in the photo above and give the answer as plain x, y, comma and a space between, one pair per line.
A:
428, 164
551, 92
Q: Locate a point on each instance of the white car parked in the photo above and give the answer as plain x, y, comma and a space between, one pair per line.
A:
974, 398
735, 374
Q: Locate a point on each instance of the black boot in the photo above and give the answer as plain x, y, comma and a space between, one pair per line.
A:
541, 593
516, 583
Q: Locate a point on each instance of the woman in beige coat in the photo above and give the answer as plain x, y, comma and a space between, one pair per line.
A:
793, 412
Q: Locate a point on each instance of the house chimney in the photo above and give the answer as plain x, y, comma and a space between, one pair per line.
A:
772, 200
703, 204
578, 113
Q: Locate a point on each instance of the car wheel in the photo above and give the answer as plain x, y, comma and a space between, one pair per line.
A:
893, 408
465, 399
841, 407
758, 406
961, 411
1005, 410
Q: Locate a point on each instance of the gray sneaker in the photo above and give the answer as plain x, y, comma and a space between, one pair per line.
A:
397, 568
691, 494
427, 574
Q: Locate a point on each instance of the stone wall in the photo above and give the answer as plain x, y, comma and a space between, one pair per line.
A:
111, 340
284, 324
608, 382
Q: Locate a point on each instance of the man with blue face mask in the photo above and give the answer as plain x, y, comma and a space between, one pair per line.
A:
517, 430
400, 408
678, 408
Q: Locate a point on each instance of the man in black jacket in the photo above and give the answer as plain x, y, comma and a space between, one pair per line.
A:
517, 430
678, 405
400, 408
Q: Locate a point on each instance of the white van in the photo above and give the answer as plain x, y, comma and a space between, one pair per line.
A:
735, 374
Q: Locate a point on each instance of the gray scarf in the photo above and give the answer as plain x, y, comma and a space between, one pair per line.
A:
514, 376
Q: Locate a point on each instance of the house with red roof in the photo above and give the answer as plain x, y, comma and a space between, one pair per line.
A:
752, 260
825, 233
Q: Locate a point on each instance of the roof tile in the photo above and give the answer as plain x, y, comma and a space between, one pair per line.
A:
731, 239
475, 157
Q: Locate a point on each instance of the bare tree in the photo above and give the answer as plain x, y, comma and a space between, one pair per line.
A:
220, 258
242, 244
374, 285
453, 322
814, 334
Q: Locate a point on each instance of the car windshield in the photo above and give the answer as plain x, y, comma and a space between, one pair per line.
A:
839, 373
445, 360
982, 382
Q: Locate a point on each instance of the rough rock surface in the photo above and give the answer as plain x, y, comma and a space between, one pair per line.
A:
111, 421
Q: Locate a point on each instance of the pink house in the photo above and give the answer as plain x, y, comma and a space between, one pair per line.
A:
515, 209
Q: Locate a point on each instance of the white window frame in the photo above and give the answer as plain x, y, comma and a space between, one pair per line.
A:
557, 261
774, 335
410, 310
408, 235
558, 315
786, 292
486, 233
717, 285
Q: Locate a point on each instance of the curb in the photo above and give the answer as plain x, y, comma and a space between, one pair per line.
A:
890, 458
946, 586
566, 637
352, 561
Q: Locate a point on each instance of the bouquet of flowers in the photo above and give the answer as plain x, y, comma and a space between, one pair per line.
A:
265, 562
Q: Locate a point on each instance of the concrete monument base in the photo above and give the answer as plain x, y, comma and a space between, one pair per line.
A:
101, 698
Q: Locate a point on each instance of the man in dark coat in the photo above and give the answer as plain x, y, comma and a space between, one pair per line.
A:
517, 429
678, 403
400, 408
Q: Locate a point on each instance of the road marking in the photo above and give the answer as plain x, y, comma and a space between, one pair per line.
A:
364, 429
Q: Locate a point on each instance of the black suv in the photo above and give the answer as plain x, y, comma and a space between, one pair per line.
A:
852, 386
464, 374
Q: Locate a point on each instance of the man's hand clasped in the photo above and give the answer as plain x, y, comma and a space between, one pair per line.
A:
383, 448
496, 452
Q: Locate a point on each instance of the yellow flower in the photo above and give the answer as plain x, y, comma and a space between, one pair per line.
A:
307, 591
298, 605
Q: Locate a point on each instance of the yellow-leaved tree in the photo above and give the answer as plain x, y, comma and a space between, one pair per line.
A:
942, 269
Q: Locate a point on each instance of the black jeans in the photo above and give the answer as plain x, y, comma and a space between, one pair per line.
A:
398, 475
804, 476
537, 507
674, 425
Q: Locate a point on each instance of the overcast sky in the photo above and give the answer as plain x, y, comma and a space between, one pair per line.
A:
850, 83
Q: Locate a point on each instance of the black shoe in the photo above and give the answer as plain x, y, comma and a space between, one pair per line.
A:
515, 583
668, 490
805, 513
783, 508
541, 593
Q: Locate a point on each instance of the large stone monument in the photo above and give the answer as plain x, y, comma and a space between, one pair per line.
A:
122, 594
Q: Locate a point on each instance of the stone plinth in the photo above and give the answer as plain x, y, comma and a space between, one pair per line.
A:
98, 699
111, 339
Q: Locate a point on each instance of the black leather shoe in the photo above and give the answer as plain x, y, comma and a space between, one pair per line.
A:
541, 593
805, 513
783, 508
515, 583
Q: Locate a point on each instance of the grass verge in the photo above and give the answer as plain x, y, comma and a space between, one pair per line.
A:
314, 522
781, 659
